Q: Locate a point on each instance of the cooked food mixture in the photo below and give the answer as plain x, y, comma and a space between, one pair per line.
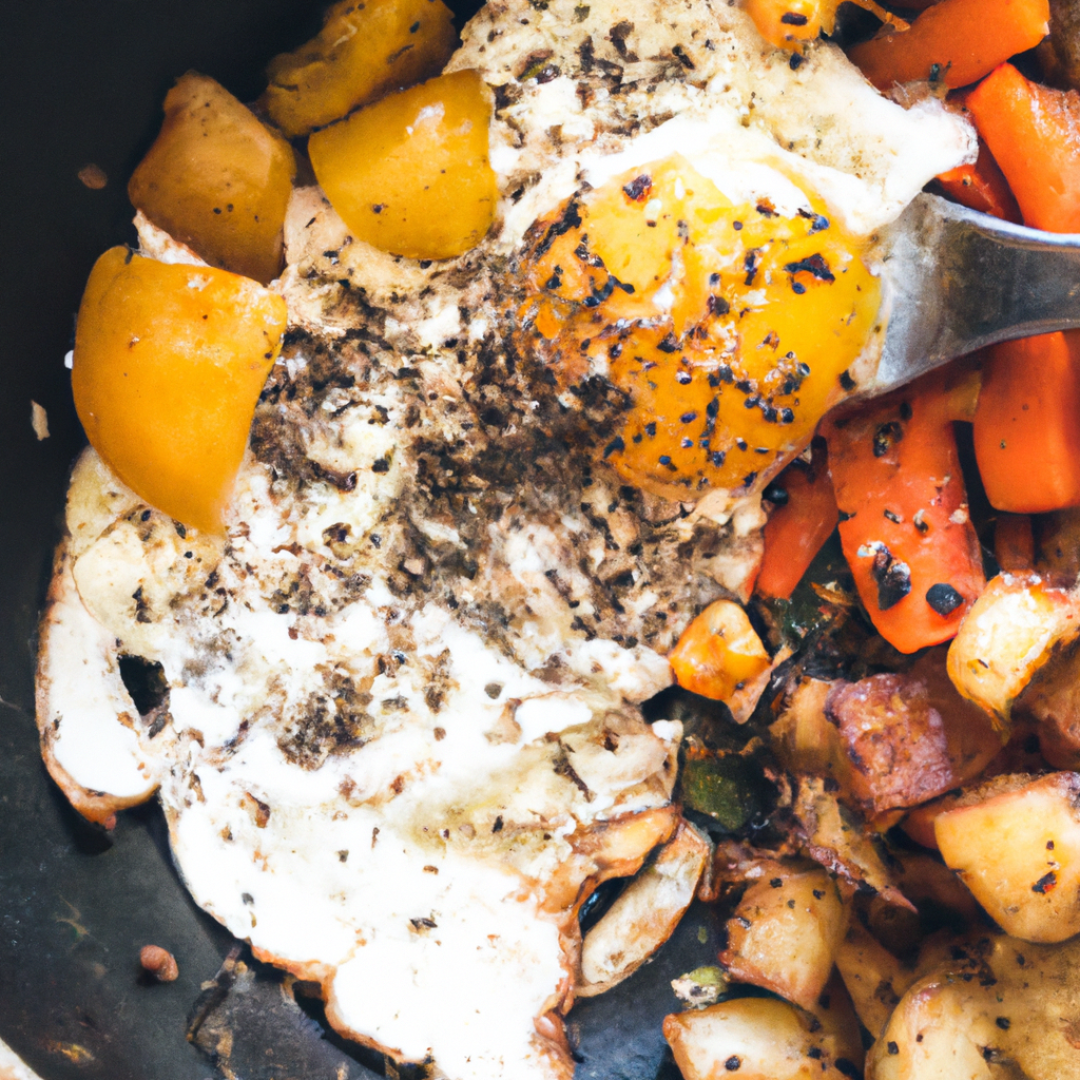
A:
411, 483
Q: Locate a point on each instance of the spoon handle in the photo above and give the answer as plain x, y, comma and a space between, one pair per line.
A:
959, 280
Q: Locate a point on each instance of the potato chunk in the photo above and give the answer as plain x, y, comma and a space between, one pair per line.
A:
1009, 633
996, 1007
217, 179
363, 51
1016, 845
755, 1039
411, 174
169, 363
785, 933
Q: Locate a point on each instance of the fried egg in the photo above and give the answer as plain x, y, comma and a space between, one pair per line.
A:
396, 728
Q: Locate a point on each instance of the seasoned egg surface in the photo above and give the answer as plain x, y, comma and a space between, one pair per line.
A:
393, 715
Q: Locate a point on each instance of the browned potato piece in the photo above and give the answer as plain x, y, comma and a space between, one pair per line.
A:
1009, 633
909, 736
217, 179
755, 1039
363, 51
1052, 700
873, 976
1016, 844
997, 1008
410, 174
785, 932
645, 913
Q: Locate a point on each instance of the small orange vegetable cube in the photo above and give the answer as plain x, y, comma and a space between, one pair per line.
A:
718, 652
410, 174
217, 179
169, 363
363, 51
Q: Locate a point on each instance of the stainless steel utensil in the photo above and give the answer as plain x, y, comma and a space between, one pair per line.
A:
958, 280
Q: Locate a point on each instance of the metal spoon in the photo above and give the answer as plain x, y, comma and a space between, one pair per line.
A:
959, 280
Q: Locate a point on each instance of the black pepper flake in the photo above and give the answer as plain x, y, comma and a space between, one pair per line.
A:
498, 826
1045, 884
718, 305
381, 465
737, 226
787, 416
748, 479
943, 598
1003, 1022
683, 378
717, 457
615, 351
814, 1052
791, 904
378, 208
669, 344
638, 189
795, 61
751, 263
892, 576
741, 444
650, 429
668, 463
847, 382
814, 265
777, 883
688, 418
733, 1063
793, 18
686, 443
415, 26
797, 287
614, 447
892, 1047
895, 518
887, 436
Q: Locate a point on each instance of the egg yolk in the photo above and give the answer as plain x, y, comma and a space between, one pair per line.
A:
730, 328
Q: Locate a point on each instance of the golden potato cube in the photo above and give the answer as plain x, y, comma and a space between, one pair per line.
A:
1016, 845
785, 933
363, 51
754, 1039
1010, 632
217, 179
410, 174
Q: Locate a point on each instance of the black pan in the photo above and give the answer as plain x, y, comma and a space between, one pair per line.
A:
81, 82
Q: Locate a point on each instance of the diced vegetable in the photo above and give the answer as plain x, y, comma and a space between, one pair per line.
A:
755, 1039
790, 24
982, 186
1014, 543
1059, 53
993, 1007
411, 174
217, 179
725, 785
719, 653
1015, 842
797, 530
363, 51
805, 739
875, 979
909, 736
1034, 133
785, 932
1007, 636
1057, 545
169, 363
1027, 426
1052, 700
904, 525
644, 915
954, 42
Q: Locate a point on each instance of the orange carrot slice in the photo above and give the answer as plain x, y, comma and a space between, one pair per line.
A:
796, 531
904, 523
981, 186
1034, 133
1027, 425
955, 42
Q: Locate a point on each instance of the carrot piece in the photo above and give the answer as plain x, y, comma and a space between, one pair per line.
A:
796, 531
1014, 542
904, 523
718, 653
955, 42
1034, 133
981, 186
790, 24
1027, 424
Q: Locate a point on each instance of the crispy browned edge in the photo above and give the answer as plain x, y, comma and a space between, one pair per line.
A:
96, 806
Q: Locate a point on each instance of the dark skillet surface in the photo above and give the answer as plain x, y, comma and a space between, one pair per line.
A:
82, 82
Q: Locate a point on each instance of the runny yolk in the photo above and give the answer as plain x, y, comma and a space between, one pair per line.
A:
729, 328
